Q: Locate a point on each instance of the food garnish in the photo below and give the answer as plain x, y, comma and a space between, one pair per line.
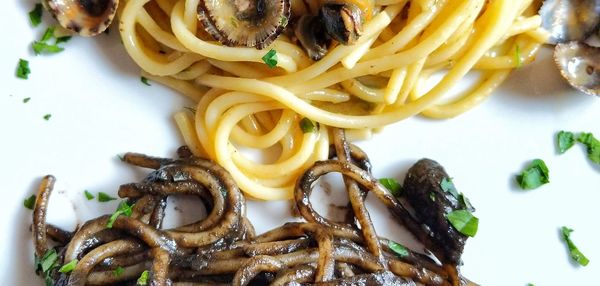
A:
535, 175
574, 252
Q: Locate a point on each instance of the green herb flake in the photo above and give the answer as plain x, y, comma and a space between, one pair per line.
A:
518, 59
48, 260
35, 15
270, 58
283, 21
144, 80
448, 186
118, 271
29, 202
399, 249
42, 47
123, 209
23, 70
69, 266
535, 175
564, 141
307, 125
463, 221
576, 255
593, 146
143, 280
27, 99
392, 185
48, 34
432, 196
63, 39
530, 284
47, 116
89, 196
104, 197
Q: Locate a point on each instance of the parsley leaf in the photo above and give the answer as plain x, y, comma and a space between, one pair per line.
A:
576, 255
27, 99
564, 141
307, 125
118, 271
592, 144
144, 80
48, 260
23, 70
29, 202
123, 209
63, 39
89, 196
535, 175
42, 47
143, 280
48, 34
47, 116
518, 59
270, 58
69, 266
392, 185
399, 249
464, 221
104, 197
448, 186
35, 15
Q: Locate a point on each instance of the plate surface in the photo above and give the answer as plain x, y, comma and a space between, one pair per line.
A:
99, 108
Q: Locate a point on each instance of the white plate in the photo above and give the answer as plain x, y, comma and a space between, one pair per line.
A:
100, 108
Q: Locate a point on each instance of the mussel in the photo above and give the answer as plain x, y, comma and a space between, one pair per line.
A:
84, 17
250, 23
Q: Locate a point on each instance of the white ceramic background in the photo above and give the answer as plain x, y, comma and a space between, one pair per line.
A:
100, 108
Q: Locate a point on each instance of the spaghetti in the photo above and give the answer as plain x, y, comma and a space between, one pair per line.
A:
385, 77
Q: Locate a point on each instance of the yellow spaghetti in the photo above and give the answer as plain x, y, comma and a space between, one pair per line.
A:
385, 77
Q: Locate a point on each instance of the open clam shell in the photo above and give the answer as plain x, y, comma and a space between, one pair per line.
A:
84, 17
570, 20
579, 64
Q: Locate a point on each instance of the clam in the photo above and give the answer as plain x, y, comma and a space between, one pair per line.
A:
570, 20
250, 23
309, 31
579, 64
342, 21
84, 17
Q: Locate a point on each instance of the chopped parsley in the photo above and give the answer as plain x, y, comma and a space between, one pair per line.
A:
432, 196
592, 144
392, 185
63, 39
399, 249
23, 70
576, 255
283, 21
104, 197
42, 47
48, 34
29, 202
448, 186
69, 266
307, 125
270, 58
463, 221
35, 15
123, 209
564, 141
46, 264
143, 280
144, 80
47, 116
518, 60
89, 196
118, 271
27, 99
535, 175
